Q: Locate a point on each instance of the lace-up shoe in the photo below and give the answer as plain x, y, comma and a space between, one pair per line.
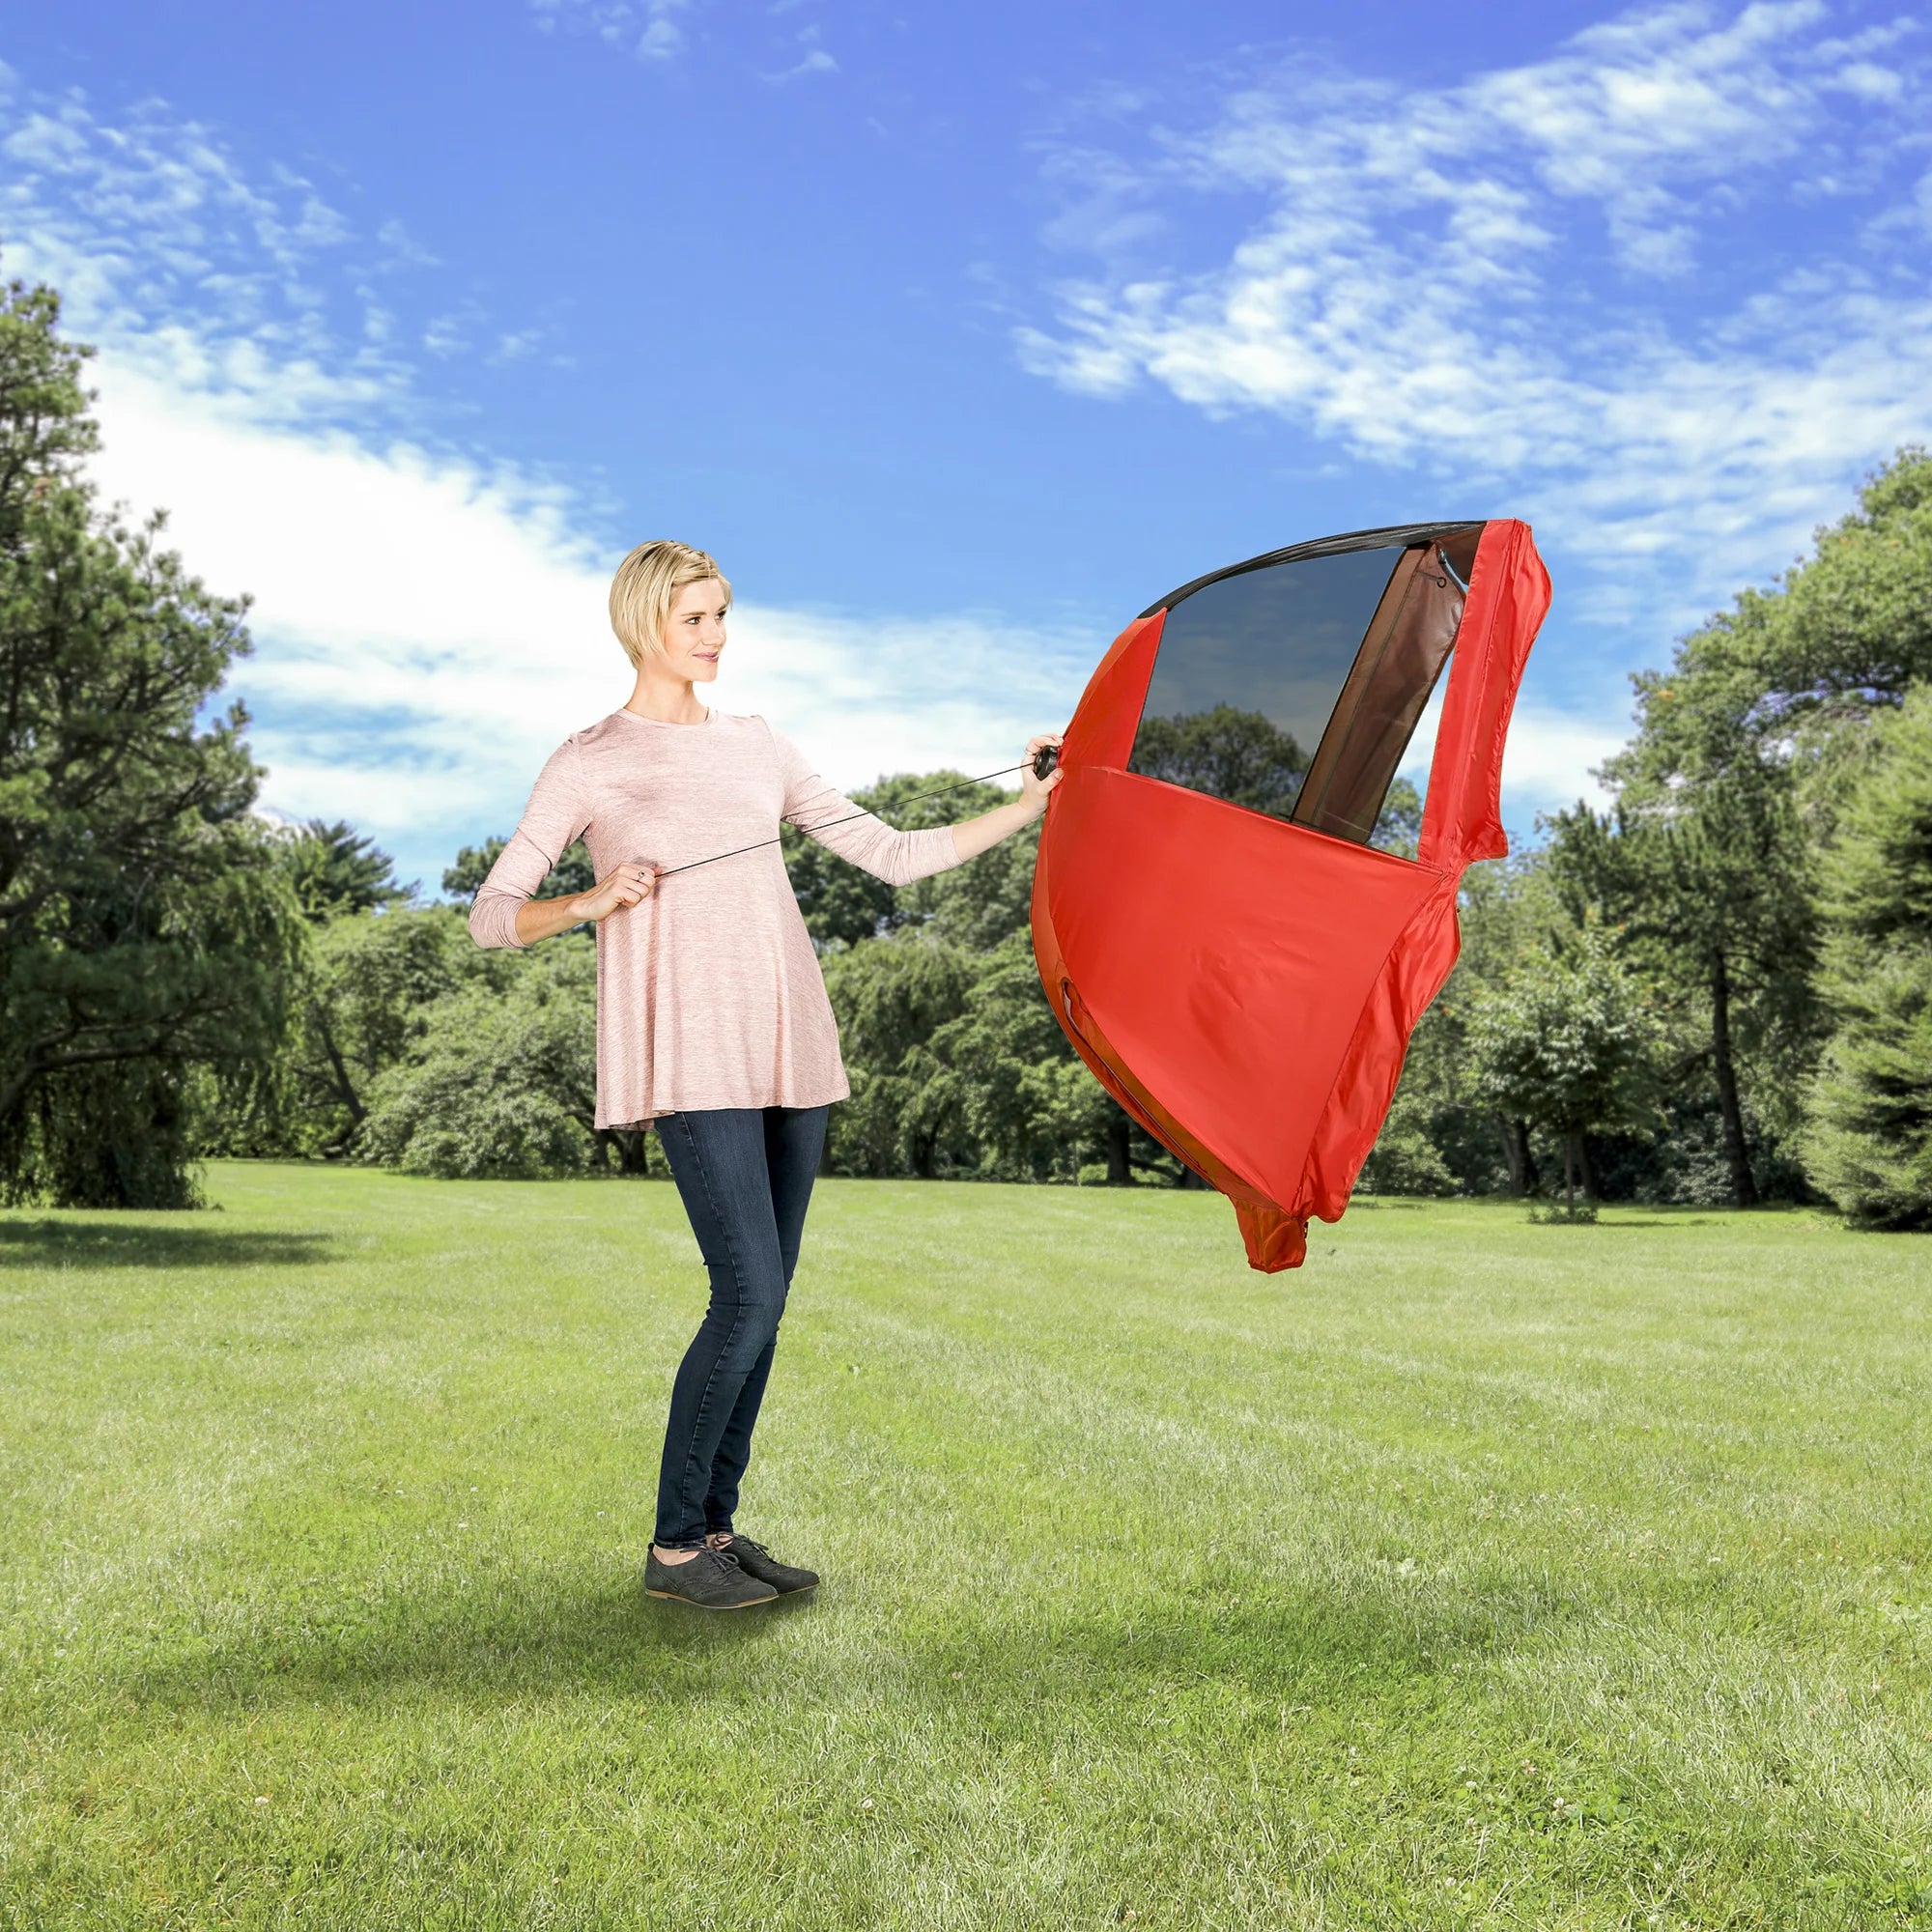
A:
757, 1561
711, 1579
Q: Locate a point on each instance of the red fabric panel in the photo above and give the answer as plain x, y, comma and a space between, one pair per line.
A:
1365, 1082
1267, 1228
1246, 989
1508, 596
1226, 956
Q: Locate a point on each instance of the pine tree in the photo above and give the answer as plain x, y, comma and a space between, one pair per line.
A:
1869, 1144
336, 871
146, 931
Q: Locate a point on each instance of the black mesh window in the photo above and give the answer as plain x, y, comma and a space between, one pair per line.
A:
1295, 689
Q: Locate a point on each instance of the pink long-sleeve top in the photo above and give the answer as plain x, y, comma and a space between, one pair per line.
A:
708, 992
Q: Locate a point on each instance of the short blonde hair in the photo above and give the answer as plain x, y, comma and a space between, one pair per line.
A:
646, 586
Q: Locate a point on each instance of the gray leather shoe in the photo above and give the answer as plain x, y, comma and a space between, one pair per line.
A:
711, 1579
757, 1561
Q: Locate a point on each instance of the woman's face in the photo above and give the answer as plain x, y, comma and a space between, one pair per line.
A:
693, 634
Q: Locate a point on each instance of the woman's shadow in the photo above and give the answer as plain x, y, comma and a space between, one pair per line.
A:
511, 1637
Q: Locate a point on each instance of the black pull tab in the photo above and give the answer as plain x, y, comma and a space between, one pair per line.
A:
1044, 759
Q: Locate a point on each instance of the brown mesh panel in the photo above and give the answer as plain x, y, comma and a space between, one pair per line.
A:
1403, 653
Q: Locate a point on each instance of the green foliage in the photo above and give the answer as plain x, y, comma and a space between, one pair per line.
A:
1565, 1042
1406, 1158
372, 993
1869, 1146
1022, 1096
334, 871
983, 904
1506, 911
1399, 824
842, 905
1846, 631
1743, 746
1246, 758
958, 1067
147, 934
501, 1083
572, 874
1239, 756
1711, 885
891, 996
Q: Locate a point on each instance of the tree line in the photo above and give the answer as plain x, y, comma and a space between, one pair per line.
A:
1718, 989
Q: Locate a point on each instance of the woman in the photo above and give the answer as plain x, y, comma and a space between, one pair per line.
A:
712, 1019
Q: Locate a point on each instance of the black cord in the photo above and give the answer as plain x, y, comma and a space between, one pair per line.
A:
693, 865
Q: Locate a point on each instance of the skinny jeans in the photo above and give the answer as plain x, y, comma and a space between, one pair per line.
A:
745, 1174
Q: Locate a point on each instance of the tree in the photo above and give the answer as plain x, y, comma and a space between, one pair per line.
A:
1729, 790
1710, 882
1240, 755
1843, 634
1399, 824
335, 872
982, 905
1022, 1096
842, 904
374, 986
572, 873
1404, 1158
1869, 1142
1564, 1041
1506, 913
146, 932
891, 996
502, 1082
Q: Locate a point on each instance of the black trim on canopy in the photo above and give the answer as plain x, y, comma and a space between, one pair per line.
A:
1396, 536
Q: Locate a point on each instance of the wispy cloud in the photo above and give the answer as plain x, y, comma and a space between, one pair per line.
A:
815, 61
1665, 289
431, 629
649, 28
429, 623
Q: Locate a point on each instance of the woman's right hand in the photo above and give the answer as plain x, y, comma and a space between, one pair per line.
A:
631, 883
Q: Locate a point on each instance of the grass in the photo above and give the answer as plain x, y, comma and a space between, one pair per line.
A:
1478, 1574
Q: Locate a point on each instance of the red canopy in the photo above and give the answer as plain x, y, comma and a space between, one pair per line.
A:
1244, 977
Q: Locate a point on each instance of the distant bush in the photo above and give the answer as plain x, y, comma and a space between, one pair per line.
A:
502, 1084
1405, 1160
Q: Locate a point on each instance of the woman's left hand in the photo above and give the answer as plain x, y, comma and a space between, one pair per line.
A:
1033, 789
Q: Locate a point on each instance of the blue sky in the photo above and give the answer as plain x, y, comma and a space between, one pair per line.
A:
960, 334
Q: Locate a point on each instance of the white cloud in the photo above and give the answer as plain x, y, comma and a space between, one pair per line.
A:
1550, 755
663, 39
1540, 284
428, 630
647, 27
429, 624
817, 61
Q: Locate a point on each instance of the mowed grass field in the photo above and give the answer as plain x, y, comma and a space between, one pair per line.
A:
1480, 1573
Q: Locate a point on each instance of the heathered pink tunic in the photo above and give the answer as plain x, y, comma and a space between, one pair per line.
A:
709, 992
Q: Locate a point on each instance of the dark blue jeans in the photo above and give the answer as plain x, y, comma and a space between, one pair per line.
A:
745, 1176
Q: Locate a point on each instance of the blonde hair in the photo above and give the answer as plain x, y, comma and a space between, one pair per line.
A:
646, 586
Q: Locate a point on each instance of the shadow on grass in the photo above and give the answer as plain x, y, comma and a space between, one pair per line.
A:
101, 1244
604, 1637
551, 1640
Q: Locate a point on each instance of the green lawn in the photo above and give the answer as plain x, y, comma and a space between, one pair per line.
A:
1478, 1573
